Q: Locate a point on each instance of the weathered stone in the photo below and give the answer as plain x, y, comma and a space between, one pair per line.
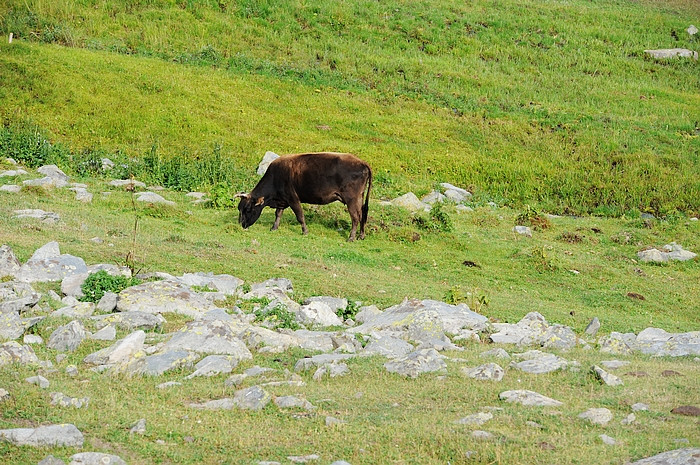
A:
607, 378
108, 333
496, 353
629, 419
415, 363
13, 352
666, 53
61, 400
32, 339
523, 230
17, 297
53, 171
266, 340
487, 372
537, 362
335, 303
120, 352
107, 303
166, 296
529, 398
39, 380
477, 419
51, 460
367, 313
139, 427
153, 198
47, 182
316, 361
130, 321
607, 440
410, 202
12, 173
690, 456
209, 337
95, 458
156, 365
9, 265
11, 326
389, 347
223, 283
659, 343
4, 395
558, 337
593, 327
332, 370
293, 402
526, 331
433, 197
77, 310
82, 194
268, 158
65, 435
68, 337
615, 343
318, 313
10, 188
47, 264
213, 365
597, 416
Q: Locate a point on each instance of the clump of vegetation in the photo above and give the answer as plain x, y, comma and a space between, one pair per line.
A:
279, 316
475, 298
542, 260
534, 218
349, 311
221, 196
571, 237
97, 284
437, 220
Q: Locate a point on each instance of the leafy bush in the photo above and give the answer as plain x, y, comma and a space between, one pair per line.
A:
349, 311
534, 218
97, 284
279, 316
437, 220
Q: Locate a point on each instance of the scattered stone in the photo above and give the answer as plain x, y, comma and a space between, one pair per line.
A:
128, 184
607, 378
31, 338
669, 252
687, 410
616, 343
417, 362
4, 395
9, 265
168, 296
389, 347
293, 402
593, 327
487, 372
318, 313
410, 202
62, 400
660, 343
13, 352
674, 457
433, 198
332, 421
523, 230
67, 338
65, 435
39, 380
629, 419
482, 435
139, 427
597, 416
48, 264
51, 460
332, 370
475, 419
268, 158
692, 30
82, 194
537, 362
303, 458
10, 188
497, 353
72, 371
76, 310
12, 173
213, 365
158, 364
108, 333
209, 337
607, 440
130, 321
11, 326
54, 172
666, 53
639, 407
121, 352
95, 458
529, 398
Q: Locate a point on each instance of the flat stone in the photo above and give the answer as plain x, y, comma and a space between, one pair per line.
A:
213, 365
108, 333
496, 353
9, 265
410, 202
95, 458
597, 416
293, 402
332, 370
529, 398
209, 337
77, 310
168, 296
666, 53
68, 337
389, 347
61, 400
318, 313
639, 406
120, 352
523, 230
17, 297
10, 188
475, 419
592, 328
224, 283
53, 171
158, 364
130, 321
689, 456
42, 267
303, 458
51, 460
607, 440
537, 362
39, 380
11, 326
417, 362
487, 372
607, 378
65, 435
13, 352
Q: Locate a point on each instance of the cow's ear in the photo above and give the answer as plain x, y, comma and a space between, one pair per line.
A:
261, 200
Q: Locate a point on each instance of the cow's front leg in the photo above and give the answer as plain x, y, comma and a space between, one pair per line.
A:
278, 216
296, 208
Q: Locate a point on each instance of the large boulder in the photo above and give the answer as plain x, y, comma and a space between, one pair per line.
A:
17, 297
67, 338
209, 337
48, 264
65, 435
168, 296
13, 352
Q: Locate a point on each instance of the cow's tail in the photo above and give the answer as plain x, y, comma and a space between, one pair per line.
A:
365, 207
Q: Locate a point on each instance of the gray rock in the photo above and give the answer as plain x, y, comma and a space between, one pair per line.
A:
537, 362
31, 338
482, 435
9, 265
415, 363
669, 252
51, 460
592, 328
487, 372
166, 296
607, 378
607, 440
152, 197
454, 193
318, 313
139, 427
65, 435
53, 171
11, 326
332, 370
13, 352
689, 456
293, 402
107, 303
77, 310
47, 264
496, 353
597, 416
209, 337
629, 419
316, 361
17, 297
666, 53
108, 333
303, 458
334, 303
433, 198
158, 364
252, 398
4, 395
12, 173
410, 202
224, 283
523, 230
657, 342
95, 458
477, 419
68, 337
130, 321
39, 380
389, 347
72, 371
10, 188
692, 30
558, 337
61, 400
529, 398
321, 341
120, 352
268, 158
47, 182
639, 407
529, 329
615, 343
71, 285
266, 340
82, 194
367, 313
332, 421
213, 365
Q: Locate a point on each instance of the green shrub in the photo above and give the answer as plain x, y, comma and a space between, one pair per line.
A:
437, 220
279, 316
97, 284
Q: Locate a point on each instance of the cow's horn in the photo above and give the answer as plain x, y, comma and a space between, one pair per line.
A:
241, 195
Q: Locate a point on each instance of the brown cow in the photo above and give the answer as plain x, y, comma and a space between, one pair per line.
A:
315, 178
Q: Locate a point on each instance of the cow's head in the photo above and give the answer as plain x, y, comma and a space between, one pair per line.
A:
249, 209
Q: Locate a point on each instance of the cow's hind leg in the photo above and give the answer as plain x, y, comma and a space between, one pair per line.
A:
278, 217
355, 210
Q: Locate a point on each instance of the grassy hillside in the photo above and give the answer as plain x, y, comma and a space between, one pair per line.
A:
527, 102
